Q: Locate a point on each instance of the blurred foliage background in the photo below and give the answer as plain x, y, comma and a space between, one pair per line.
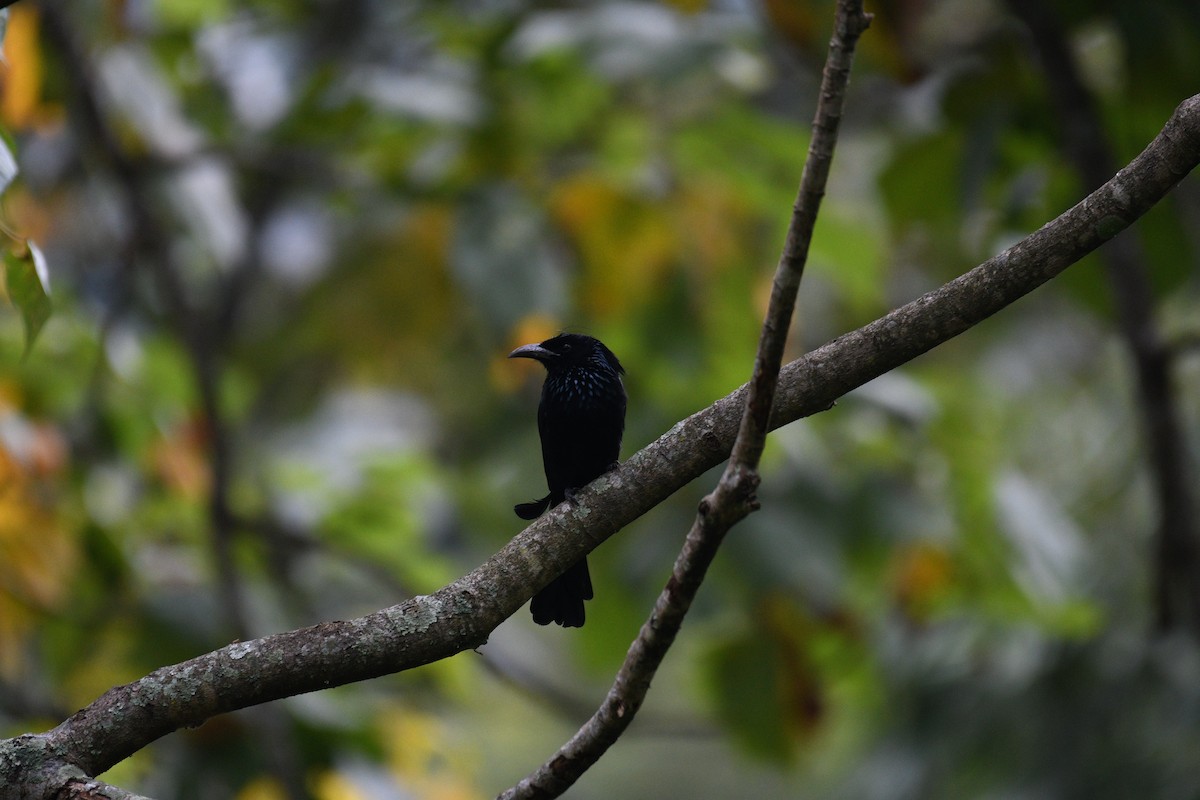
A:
289, 244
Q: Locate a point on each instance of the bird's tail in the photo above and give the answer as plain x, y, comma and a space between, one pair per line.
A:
532, 510
562, 600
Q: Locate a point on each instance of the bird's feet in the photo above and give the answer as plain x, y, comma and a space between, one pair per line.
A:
572, 495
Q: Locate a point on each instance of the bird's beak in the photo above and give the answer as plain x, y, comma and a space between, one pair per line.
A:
534, 351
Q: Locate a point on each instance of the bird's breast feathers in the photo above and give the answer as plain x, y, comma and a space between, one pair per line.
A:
583, 388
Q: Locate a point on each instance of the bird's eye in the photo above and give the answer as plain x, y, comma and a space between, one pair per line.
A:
566, 348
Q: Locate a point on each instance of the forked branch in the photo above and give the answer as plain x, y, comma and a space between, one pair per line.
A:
734, 496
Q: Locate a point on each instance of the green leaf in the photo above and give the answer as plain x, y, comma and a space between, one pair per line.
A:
744, 678
189, 14
28, 287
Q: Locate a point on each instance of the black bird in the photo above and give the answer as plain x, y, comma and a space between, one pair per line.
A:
580, 420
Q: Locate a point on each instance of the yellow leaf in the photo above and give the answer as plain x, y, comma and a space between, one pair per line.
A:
106, 663
533, 328
424, 759
386, 311
180, 461
626, 243
508, 376
37, 555
22, 72
333, 786
33, 218
262, 788
716, 222
921, 574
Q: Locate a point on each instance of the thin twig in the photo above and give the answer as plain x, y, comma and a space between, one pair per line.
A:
734, 496
151, 238
204, 335
1177, 560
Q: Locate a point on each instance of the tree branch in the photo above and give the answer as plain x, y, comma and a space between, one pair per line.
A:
735, 495
92, 789
462, 614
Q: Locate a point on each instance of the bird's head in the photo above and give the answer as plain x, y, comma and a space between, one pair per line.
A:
568, 350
